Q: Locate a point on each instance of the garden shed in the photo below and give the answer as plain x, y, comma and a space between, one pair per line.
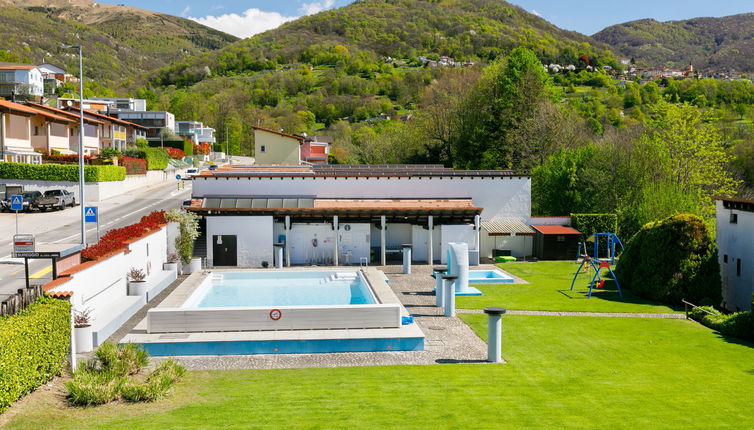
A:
555, 242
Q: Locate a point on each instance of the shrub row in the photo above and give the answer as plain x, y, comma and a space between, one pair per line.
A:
157, 158
34, 346
589, 224
115, 239
134, 166
59, 172
174, 153
739, 324
112, 375
67, 158
671, 260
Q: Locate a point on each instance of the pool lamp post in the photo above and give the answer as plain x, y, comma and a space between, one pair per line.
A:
82, 200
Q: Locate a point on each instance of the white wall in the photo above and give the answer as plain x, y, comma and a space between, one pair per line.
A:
254, 238
520, 246
302, 249
501, 197
456, 233
419, 240
737, 242
356, 241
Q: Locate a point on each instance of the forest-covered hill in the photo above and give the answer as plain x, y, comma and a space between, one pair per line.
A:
706, 43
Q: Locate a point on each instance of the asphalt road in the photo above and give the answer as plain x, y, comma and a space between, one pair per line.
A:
64, 227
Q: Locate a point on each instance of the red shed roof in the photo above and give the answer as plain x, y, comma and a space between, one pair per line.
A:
555, 229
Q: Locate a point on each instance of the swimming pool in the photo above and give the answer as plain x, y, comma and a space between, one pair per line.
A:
276, 300
488, 277
289, 288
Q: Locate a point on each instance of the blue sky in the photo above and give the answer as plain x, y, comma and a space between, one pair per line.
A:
246, 17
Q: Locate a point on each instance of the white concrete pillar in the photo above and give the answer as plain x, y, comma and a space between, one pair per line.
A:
449, 291
477, 227
430, 251
494, 334
336, 251
287, 241
383, 226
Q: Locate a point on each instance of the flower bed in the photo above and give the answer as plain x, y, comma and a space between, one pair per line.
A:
175, 153
134, 166
117, 239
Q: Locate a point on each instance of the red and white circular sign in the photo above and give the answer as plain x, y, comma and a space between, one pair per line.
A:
275, 314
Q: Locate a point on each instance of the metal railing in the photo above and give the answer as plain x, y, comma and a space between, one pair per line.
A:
693, 306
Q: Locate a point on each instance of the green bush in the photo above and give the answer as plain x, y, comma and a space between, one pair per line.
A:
60, 172
34, 347
671, 260
112, 374
157, 158
589, 224
739, 324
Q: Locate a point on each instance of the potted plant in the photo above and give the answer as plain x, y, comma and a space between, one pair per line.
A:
184, 242
137, 285
172, 262
82, 325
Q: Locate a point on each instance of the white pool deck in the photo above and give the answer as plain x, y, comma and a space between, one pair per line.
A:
376, 278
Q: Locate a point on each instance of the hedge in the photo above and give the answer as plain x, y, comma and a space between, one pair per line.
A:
134, 166
186, 146
589, 224
157, 158
739, 324
34, 347
59, 172
671, 260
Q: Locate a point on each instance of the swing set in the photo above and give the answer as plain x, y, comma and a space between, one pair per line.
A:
596, 263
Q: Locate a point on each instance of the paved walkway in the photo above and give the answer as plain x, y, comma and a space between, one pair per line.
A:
582, 314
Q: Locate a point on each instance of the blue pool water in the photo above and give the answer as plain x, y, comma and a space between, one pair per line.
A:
488, 277
281, 288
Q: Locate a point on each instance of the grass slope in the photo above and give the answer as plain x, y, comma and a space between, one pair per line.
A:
562, 372
549, 290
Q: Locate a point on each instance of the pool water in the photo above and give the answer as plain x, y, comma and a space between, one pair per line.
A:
488, 277
281, 288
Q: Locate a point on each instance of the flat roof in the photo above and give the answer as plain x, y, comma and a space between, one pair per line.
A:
351, 170
555, 229
366, 210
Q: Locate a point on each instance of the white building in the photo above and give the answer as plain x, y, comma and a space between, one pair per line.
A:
346, 214
21, 80
125, 103
735, 247
195, 131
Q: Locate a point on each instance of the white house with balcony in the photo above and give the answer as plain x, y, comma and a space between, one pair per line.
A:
735, 247
21, 80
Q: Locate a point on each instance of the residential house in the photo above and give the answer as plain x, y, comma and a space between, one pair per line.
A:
735, 249
92, 129
195, 131
21, 80
315, 149
26, 132
153, 121
276, 147
53, 77
124, 103
89, 104
115, 133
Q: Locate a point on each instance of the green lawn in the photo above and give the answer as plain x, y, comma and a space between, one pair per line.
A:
562, 372
549, 290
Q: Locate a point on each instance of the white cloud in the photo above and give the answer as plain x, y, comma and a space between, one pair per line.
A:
316, 7
186, 10
251, 22
534, 12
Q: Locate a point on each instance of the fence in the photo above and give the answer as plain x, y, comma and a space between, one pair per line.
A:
19, 301
686, 308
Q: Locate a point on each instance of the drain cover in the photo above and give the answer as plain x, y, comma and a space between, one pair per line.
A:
436, 327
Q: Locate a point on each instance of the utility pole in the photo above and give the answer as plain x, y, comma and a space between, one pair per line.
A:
227, 148
82, 200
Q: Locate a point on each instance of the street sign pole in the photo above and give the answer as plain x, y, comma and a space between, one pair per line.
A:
16, 204
91, 215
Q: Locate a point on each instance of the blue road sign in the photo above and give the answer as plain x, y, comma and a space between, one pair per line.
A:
16, 202
90, 214
177, 176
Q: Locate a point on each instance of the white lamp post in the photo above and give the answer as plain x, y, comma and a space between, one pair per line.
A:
81, 141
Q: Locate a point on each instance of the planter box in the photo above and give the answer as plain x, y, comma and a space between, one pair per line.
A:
84, 340
170, 266
137, 288
194, 266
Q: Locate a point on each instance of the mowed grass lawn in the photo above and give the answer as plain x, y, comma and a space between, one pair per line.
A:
549, 290
562, 372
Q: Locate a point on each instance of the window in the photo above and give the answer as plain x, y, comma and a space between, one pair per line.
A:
560, 238
733, 218
725, 258
262, 149
36, 130
7, 76
738, 267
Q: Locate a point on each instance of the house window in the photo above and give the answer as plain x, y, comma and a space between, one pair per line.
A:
733, 218
560, 238
262, 148
36, 130
725, 258
738, 267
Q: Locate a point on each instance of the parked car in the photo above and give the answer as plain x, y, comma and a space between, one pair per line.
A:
30, 200
213, 167
191, 172
56, 199
185, 204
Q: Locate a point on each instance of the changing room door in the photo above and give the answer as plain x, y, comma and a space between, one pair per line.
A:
224, 250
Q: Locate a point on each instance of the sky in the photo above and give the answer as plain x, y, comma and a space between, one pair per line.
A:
244, 18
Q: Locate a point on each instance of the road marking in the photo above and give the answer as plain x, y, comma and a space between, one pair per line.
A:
41, 273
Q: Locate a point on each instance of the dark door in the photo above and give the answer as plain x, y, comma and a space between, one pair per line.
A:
224, 250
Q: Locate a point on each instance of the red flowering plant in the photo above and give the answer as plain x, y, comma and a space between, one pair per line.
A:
134, 166
175, 153
115, 239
